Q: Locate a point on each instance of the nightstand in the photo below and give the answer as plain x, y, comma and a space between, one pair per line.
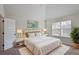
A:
19, 42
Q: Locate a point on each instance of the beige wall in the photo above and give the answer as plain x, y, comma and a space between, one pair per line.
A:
75, 20
1, 10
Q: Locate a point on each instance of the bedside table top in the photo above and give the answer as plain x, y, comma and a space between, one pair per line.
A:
20, 39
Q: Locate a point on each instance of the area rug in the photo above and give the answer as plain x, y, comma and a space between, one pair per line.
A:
59, 51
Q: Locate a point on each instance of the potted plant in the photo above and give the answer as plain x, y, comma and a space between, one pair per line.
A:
75, 37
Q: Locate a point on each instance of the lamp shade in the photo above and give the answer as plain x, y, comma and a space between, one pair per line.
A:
19, 31
44, 30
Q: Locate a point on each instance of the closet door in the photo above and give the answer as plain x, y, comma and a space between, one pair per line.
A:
1, 33
10, 33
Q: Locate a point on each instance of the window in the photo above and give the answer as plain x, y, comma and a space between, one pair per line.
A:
56, 29
65, 28
62, 28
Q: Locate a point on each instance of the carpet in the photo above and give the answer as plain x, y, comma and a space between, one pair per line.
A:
59, 51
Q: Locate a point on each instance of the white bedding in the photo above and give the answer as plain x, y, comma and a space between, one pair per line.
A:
42, 45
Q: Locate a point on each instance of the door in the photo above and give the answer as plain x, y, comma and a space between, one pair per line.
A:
1, 33
9, 33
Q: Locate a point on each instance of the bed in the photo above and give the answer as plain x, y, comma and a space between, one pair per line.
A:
42, 45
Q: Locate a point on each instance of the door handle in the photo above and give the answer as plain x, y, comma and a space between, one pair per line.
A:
3, 33
14, 34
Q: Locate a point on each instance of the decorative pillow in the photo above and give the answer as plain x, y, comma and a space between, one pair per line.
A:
38, 34
31, 35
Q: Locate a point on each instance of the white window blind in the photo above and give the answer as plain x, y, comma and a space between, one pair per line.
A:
66, 28
61, 28
56, 29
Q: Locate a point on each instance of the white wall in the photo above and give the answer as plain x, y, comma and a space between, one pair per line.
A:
75, 20
2, 10
22, 13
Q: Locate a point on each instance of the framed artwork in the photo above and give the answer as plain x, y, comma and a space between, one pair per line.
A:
32, 24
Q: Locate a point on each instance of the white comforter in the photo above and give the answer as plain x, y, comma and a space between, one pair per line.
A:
42, 45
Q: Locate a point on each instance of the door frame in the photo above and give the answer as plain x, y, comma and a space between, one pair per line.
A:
2, 19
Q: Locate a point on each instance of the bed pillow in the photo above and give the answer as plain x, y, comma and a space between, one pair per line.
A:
40, 35
31, 35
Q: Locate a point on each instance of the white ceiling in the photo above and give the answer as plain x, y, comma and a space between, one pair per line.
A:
28, 11
40, 11
59, 10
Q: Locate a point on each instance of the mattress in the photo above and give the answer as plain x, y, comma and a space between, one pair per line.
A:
42, 45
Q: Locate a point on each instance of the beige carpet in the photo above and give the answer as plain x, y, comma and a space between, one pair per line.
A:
59, 51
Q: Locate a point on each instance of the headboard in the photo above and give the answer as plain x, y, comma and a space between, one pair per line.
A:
34, 32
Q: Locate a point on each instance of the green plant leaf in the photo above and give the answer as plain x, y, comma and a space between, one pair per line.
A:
75, 35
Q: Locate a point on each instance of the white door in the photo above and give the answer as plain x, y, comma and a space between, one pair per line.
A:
9, 33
